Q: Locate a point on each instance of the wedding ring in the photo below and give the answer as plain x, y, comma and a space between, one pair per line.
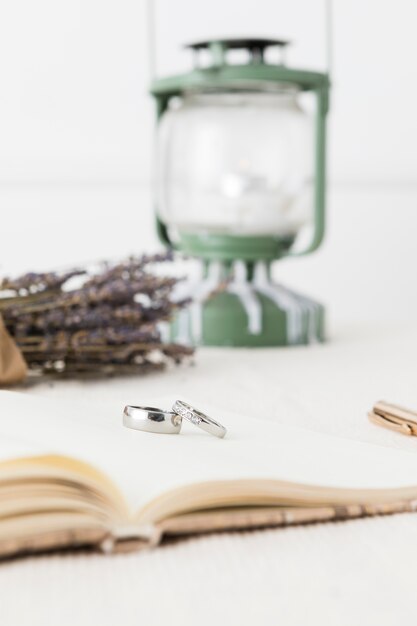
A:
198, 418
152, 420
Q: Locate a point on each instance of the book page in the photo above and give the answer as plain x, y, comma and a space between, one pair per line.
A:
146, 465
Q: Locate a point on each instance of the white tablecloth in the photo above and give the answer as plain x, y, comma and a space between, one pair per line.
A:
358, 572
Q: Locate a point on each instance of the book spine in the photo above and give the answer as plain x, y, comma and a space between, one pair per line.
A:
130, 539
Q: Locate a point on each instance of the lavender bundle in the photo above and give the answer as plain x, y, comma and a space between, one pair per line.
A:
105, 322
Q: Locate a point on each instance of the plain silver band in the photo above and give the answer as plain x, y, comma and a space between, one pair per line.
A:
152, 420
199, 419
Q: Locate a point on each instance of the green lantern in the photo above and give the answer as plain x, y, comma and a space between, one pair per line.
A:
240, 179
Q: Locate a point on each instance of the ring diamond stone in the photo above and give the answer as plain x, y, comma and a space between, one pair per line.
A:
198, 418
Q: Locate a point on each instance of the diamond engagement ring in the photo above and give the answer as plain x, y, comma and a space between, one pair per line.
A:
152, 420
203, 421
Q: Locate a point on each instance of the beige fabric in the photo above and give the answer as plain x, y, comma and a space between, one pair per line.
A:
360, 572
13, 368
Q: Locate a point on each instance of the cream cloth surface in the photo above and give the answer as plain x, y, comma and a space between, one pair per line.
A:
337, 573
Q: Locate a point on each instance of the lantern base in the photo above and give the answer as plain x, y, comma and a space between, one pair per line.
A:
251, 312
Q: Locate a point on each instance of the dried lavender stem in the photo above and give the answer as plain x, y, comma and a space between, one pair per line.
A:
109, 323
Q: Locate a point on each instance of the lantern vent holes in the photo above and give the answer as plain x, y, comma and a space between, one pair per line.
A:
221, 52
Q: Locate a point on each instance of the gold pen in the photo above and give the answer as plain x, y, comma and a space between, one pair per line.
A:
394, 417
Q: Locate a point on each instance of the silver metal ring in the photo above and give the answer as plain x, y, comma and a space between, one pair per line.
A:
152, 420
198, 418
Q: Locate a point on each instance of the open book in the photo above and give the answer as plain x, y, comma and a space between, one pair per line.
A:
69, 477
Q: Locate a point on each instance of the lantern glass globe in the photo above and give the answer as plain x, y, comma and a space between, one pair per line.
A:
239, 162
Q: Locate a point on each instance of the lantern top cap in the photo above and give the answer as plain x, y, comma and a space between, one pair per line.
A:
240, 43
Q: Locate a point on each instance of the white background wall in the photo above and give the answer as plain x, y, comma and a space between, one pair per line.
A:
74, 79
76, 128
